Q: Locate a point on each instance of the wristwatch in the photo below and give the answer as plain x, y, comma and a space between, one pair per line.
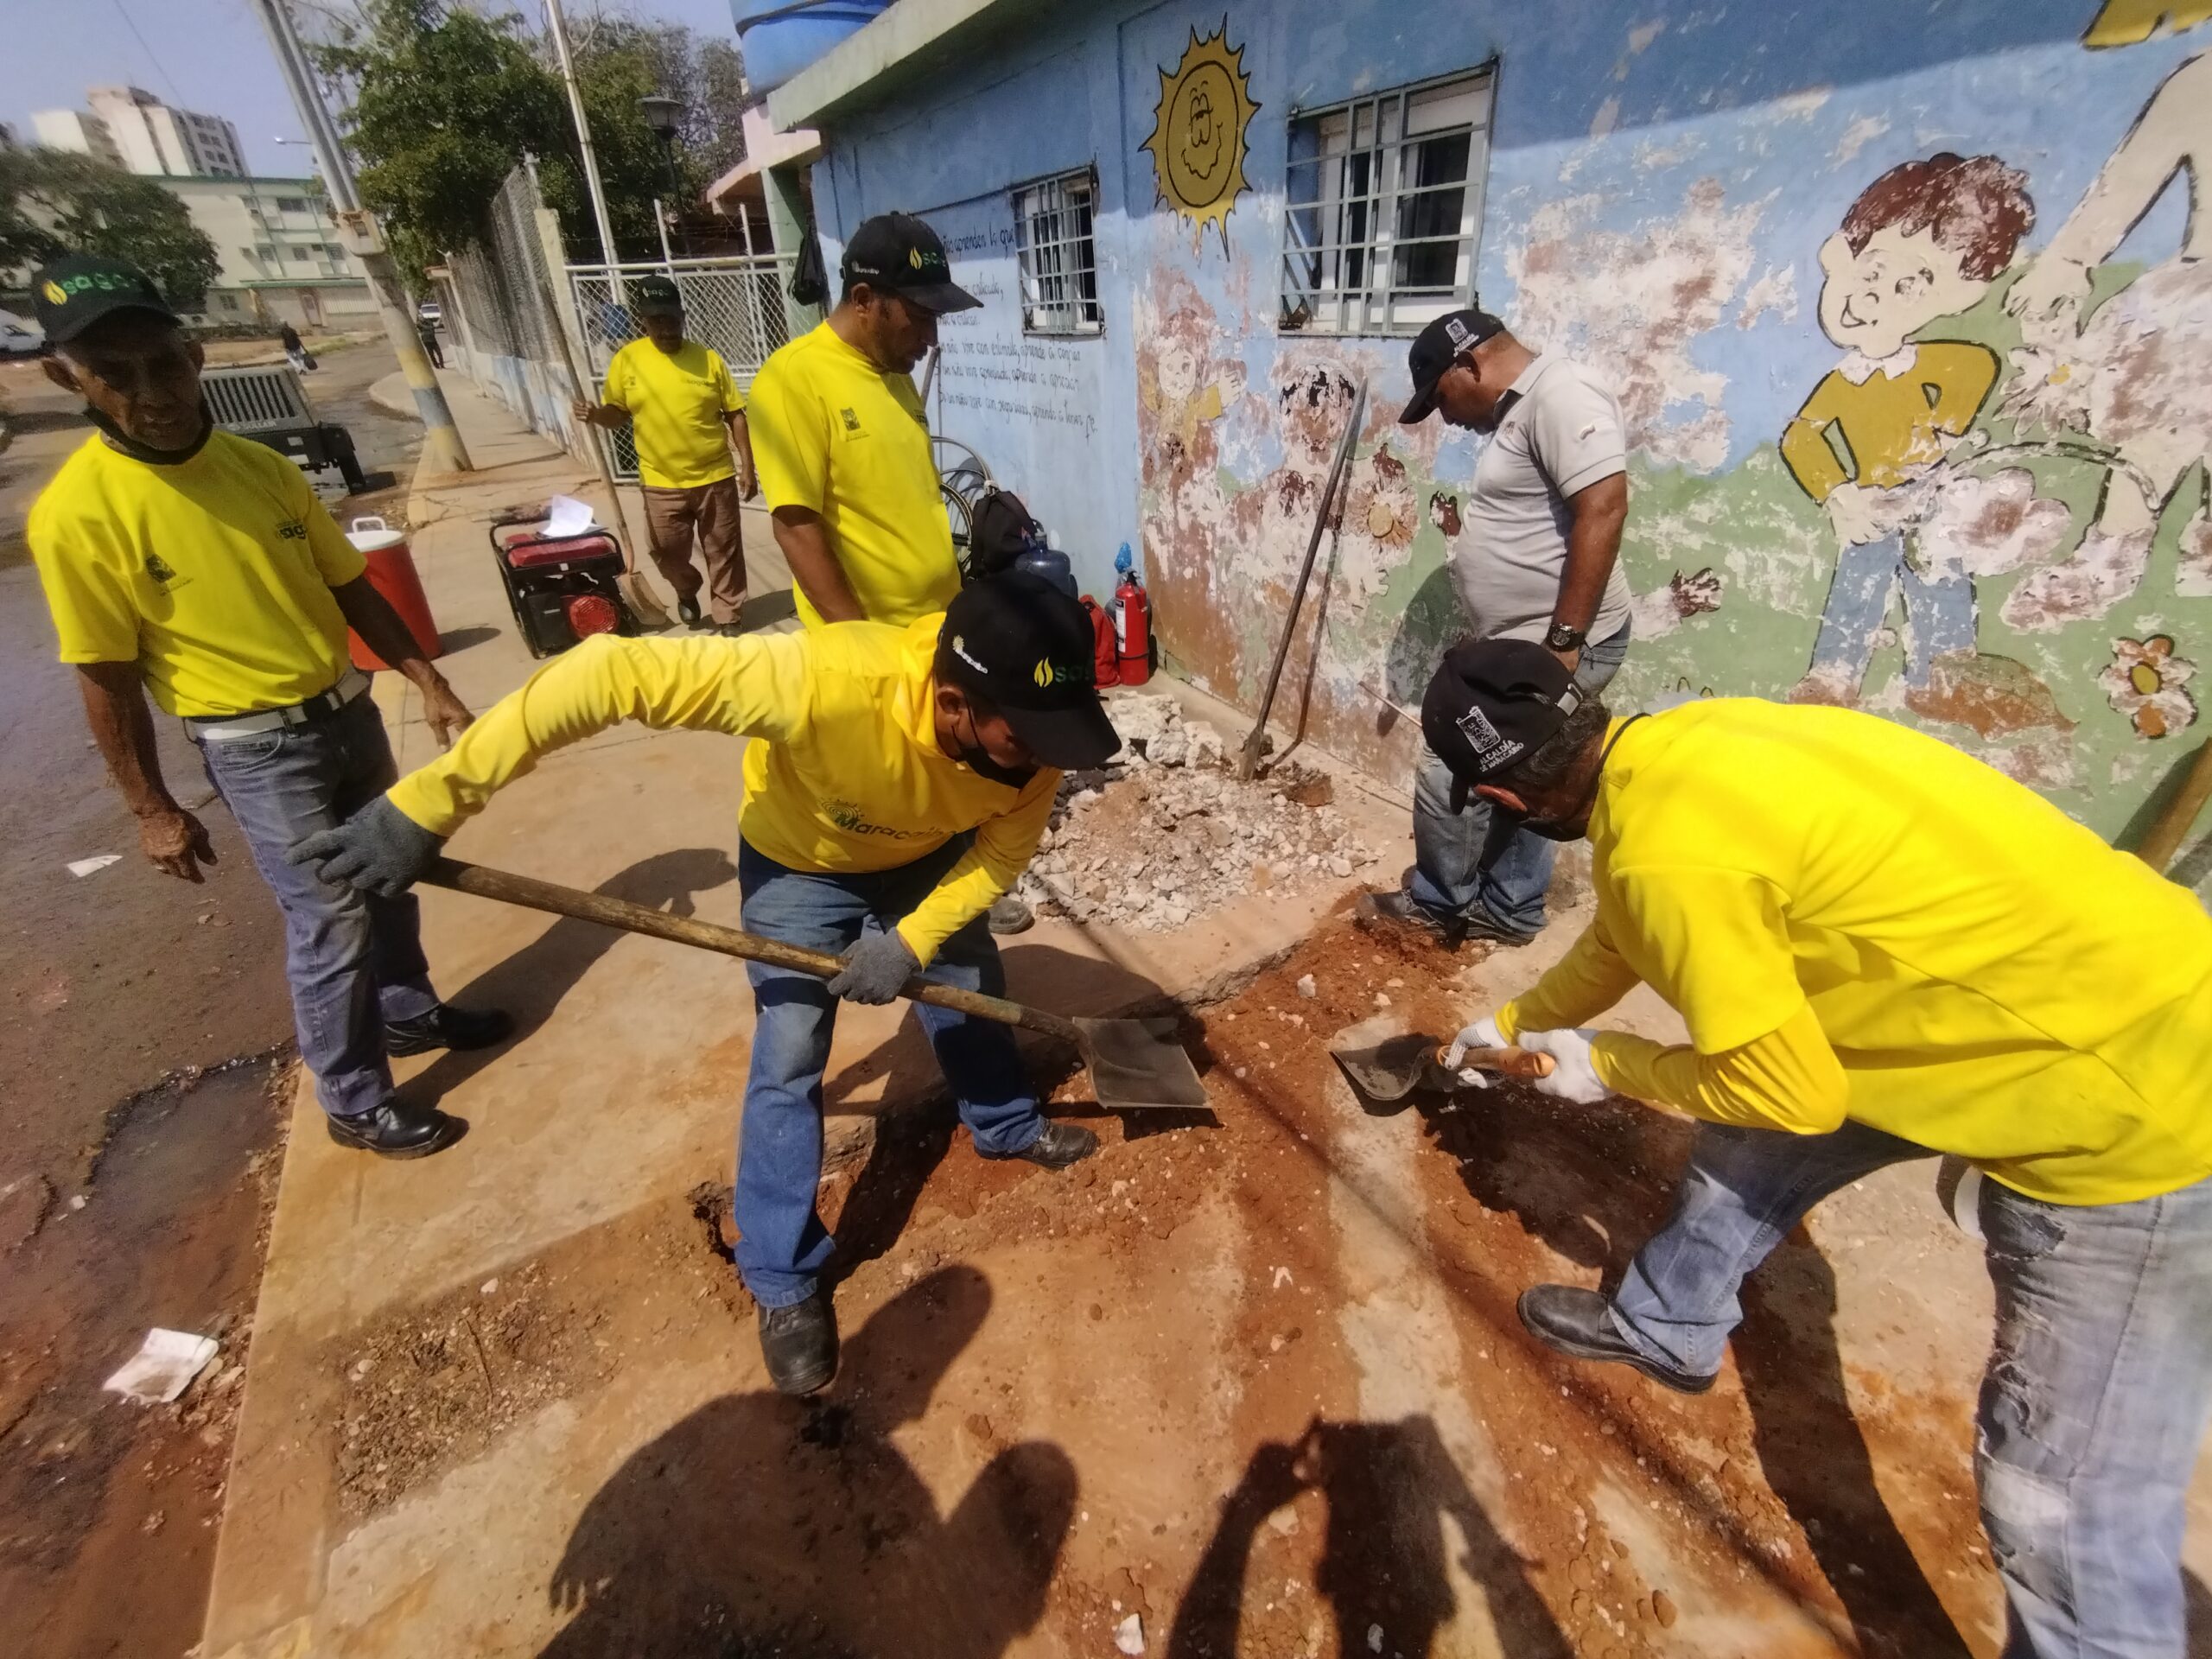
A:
1562, 638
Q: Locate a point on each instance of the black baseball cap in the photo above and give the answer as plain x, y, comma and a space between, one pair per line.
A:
900, 252
1492, 704
656, 297
1025, 646
75, 291
1435, 349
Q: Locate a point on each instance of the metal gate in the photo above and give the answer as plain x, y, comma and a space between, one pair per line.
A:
736, 306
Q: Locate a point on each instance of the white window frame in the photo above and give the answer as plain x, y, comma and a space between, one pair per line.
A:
1348, 202
1057, 254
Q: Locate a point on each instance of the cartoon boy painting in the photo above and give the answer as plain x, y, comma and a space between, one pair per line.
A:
1924, 241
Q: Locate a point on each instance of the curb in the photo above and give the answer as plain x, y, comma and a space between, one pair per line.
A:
391, 394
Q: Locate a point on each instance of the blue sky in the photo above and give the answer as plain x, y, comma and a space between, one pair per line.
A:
202, 54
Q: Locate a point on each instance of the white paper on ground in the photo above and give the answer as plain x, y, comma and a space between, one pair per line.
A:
164, 1365
83, 867
570, 518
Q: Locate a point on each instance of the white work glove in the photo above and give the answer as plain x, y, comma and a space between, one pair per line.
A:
1574, 1076
1483, 1033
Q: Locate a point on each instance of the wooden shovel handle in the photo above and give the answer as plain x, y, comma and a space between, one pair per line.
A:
533, 894
1523, 1064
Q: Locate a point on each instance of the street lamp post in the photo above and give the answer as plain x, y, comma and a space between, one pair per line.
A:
664, 115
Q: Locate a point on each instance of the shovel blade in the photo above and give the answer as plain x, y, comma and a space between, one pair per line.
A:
1139, 1065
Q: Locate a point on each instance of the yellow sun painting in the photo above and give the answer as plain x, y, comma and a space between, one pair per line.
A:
1197, 134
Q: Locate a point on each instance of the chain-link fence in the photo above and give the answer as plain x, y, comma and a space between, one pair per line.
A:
503, 312
735, 305
502, 304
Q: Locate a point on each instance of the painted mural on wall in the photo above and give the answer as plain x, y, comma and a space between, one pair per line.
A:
1199, 132
1936, 450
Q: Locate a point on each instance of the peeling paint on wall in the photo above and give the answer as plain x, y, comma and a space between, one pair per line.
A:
2022, 565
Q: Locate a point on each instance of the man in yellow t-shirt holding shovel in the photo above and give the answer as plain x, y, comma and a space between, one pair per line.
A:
1883, 949
694, 457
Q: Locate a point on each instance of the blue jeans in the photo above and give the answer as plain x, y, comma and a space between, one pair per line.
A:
354, 961
1480, 867
1938, 612
2098, 1390
782, 1244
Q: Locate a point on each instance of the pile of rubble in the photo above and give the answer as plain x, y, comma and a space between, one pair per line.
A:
1166, 832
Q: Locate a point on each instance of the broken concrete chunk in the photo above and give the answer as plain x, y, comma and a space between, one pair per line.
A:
1128, 1635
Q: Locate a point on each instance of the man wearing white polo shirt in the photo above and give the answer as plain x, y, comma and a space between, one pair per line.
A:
1537, 558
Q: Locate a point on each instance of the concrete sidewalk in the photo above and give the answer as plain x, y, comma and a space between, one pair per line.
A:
618, 1095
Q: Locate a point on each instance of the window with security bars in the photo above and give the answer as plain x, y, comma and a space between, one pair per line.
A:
1383, 208
1060, 270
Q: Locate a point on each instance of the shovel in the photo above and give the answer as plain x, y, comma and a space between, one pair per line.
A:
1136, 1065
1386, 1065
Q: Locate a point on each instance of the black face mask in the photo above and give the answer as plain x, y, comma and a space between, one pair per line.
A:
124, 444
974, 756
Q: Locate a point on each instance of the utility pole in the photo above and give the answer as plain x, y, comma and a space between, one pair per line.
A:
559, 28
442, 443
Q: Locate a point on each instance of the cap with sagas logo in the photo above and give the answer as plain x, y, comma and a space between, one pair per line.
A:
656, 297
1027, 649
901, 254
1492, 704
1435, 349
75, 291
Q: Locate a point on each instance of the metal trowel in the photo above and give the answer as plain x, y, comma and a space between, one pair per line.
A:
1385, 1062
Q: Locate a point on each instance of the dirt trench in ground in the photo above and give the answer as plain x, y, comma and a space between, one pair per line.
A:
1252, 1375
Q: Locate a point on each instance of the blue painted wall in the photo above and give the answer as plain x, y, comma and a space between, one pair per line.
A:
1662, 179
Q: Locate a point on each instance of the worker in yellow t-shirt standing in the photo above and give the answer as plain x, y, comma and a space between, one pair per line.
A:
844, 445
899, 781
1882, 949
694, 457
185, 561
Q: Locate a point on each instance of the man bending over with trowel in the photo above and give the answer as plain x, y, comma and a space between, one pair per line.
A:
900, 783
1885, 949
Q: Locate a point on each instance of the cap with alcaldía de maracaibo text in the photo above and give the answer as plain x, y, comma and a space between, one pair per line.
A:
901, 253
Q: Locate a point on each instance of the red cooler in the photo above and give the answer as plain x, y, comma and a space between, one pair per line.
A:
391, 573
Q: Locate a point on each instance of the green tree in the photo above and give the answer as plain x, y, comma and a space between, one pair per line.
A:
444, 99
53, 201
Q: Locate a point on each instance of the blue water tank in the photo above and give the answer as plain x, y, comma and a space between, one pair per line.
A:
781, 37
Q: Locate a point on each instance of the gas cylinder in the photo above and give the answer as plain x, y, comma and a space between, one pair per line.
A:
1132, 623
1103, 645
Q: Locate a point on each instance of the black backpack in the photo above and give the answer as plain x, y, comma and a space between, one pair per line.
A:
1000, 531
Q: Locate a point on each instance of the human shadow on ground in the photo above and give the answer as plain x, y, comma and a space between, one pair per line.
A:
1593, 1183
532, 983
763, 1525
1390, 1489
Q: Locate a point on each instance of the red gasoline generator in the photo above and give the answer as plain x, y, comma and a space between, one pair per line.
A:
563, 589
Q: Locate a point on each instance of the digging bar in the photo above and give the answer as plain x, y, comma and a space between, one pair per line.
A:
1247, 758
1136, 1065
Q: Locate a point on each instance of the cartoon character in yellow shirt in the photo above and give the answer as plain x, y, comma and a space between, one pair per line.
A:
1922, 242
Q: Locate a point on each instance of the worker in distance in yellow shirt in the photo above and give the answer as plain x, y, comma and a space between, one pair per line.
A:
899, 781
694, 455
1885, 949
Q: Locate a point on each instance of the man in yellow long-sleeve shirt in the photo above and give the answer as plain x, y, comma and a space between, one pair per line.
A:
900, 780
1882, 949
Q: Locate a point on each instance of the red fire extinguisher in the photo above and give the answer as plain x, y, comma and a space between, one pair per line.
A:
1103, 649
1132, 623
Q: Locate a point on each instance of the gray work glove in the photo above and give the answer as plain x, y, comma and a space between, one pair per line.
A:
379, 850
875, 968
